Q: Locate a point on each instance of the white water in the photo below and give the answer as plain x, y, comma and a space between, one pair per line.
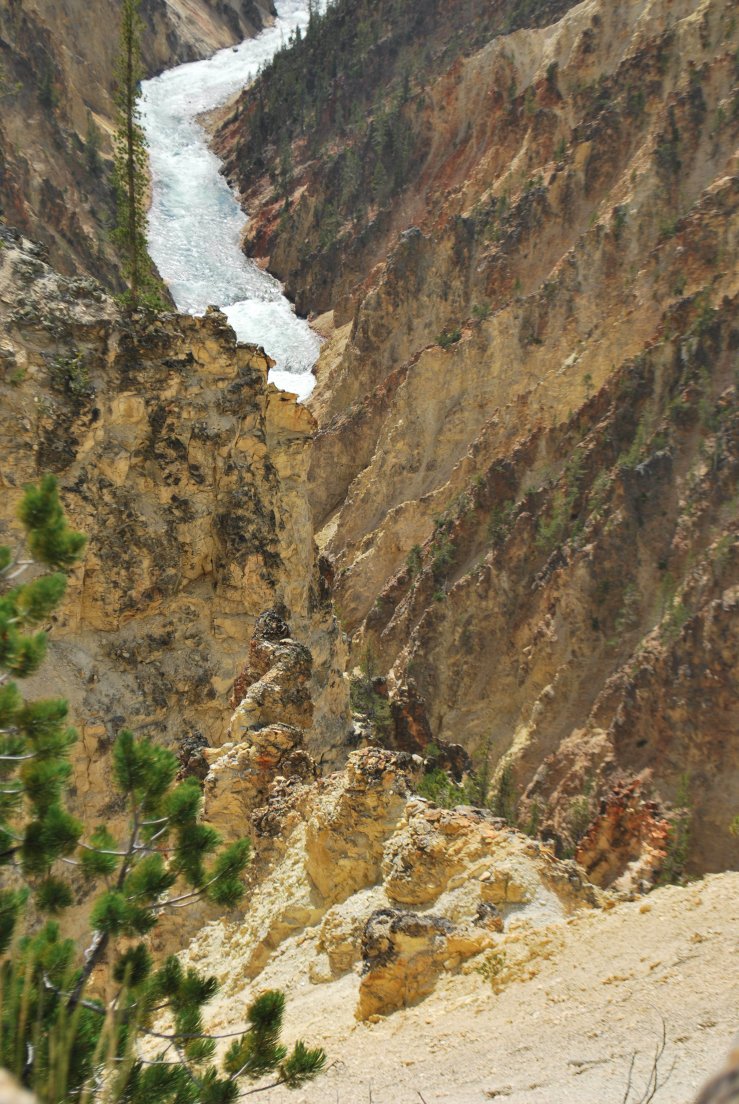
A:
195, 222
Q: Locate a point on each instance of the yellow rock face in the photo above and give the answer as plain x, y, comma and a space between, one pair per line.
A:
340, 861
525, 464
186, 473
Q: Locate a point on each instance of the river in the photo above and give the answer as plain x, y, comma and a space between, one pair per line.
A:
195, 222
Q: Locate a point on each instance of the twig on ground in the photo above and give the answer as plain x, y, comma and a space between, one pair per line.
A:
654, 1084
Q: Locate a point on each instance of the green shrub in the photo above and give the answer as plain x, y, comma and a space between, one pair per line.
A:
678, 844
93, 140
437, 786
635, 101
628, 614
673, 621
501, 522
667, 150
72, 375
504, 802
578, 818
449, 337
442, 555
414, 560
366, 699
492, 969
620, 215
629, 459
531, 826
48, 93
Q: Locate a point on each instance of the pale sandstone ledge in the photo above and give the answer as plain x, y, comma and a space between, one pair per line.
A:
578, 1000
440, 951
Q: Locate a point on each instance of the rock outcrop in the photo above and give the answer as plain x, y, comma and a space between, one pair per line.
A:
186, 471
267, 732
380, 913
375, 880
559, 1011
404, 952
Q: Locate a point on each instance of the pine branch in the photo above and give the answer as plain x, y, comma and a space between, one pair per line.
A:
20, 566
273, 1084
263, 1088
37, 831
97, 948
170, 1037
173, 901
139, 849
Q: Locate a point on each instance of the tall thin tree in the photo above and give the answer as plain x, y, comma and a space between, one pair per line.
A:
130, 168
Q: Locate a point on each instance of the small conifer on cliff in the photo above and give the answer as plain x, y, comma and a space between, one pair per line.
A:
71, 1024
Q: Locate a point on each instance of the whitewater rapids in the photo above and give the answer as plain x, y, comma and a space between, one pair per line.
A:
195, 222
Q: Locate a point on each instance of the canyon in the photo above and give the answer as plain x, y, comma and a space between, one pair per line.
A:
455, 640
57, 75
515, 341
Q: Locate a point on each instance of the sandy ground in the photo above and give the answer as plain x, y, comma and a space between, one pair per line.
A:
565, 1035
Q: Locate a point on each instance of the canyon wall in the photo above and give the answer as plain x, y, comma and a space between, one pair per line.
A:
521, 462
526, 454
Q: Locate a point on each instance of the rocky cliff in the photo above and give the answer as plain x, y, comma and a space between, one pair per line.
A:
525, 461
439, 952
57, 65
187, 473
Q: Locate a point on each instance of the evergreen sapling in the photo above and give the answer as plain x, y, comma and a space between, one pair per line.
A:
57, 1034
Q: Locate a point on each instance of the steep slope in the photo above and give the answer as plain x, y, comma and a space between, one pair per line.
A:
187, 473
57, 66
526, 460
439, 953
576, 1004
335, 149
522, 459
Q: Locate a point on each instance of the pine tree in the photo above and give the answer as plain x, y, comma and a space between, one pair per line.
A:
47, 91
130, 166
7, 88
285, 169
92, 147
56, 1034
